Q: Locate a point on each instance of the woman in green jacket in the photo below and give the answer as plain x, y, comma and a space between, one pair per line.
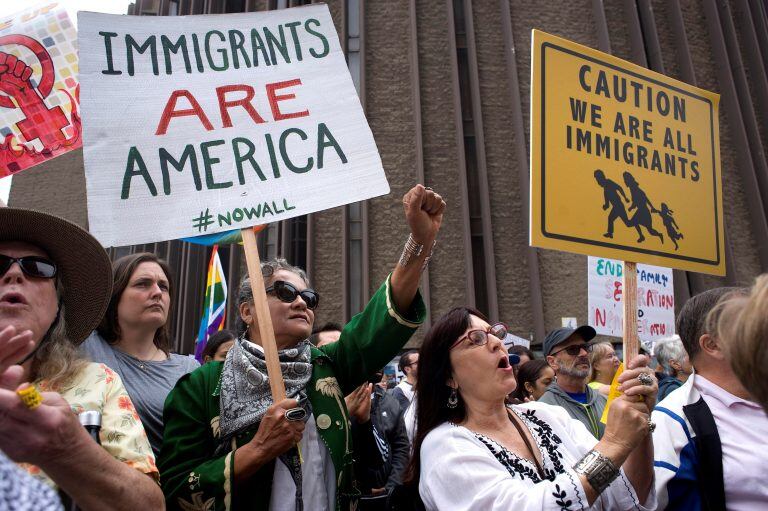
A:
226, 446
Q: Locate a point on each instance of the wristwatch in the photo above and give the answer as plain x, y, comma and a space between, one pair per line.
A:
598, 469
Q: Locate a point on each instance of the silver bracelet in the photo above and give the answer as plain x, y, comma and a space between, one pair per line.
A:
426, 260
410, 250
598, 469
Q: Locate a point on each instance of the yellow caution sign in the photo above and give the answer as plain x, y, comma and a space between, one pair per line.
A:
625, 162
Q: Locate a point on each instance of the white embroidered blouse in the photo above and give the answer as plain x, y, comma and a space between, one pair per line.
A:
464, 471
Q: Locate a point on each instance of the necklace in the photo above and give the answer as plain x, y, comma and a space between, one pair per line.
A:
153, 358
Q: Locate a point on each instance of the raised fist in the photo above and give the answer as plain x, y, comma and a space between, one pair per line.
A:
14, 75
424, 213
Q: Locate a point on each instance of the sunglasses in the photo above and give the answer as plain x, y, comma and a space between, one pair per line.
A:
574, 350
479, 337
287, 293
32, 266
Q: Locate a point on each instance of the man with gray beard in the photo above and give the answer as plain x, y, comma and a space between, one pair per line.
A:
567, 352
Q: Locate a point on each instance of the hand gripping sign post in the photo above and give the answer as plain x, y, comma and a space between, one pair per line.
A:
625, 164
195, 125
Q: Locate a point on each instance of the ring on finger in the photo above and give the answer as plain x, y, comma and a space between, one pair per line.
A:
295, 414
645, 379
651, 426
30, 396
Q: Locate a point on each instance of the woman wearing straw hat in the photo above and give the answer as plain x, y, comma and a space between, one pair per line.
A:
55, 283
227, 446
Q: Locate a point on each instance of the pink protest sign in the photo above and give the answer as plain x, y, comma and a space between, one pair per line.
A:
38, 87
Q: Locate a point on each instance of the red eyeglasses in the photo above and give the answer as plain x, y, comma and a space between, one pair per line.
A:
479, 336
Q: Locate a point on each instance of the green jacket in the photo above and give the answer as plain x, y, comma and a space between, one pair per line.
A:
193, 479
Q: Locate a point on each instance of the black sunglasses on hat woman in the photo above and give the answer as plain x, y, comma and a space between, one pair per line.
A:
32, 266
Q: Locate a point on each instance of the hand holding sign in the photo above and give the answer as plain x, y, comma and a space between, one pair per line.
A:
632, 383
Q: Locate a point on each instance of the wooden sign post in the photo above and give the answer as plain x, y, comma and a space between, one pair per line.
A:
631, 343
263, 318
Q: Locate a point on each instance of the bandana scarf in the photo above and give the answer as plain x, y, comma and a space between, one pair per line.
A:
245, 394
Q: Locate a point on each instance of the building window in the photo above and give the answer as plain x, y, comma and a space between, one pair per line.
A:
296, 242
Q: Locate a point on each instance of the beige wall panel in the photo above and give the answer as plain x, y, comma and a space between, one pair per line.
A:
327, 278
510, 230
737, 222
56, 186
618, 30
389, 110
447, 276
665, 32
755, 74
563, 275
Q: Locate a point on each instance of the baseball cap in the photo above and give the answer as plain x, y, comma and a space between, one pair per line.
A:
561, 335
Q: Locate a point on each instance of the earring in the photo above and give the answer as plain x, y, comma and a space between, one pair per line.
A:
453, 399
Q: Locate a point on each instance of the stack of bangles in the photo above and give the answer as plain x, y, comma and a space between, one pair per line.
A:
30, 396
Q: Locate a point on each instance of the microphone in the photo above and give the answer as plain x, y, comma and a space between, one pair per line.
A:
91, 421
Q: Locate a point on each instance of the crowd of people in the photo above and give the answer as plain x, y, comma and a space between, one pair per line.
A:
472, 425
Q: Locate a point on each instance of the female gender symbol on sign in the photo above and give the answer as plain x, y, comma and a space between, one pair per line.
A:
40, 121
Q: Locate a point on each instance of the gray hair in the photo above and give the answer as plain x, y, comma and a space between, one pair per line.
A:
268, 270
57, 360
667, 350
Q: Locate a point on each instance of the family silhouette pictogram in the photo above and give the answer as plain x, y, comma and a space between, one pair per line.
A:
638, 201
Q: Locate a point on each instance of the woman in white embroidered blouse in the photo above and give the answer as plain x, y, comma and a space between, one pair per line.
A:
472, 452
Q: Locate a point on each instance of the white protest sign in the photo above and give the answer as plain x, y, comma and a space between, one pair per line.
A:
514, 340
201, 124
655, 299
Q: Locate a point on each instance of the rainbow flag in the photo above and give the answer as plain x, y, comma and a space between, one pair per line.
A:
222, 238
215, 304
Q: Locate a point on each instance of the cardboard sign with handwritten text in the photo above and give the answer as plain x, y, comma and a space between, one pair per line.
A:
655, 299
200, 124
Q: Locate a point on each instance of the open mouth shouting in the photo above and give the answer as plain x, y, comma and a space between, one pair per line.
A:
13, 299
504, 364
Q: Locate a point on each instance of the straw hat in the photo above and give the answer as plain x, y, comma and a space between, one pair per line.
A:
84, 267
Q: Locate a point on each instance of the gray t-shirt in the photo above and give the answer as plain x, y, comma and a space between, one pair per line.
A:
148, 382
